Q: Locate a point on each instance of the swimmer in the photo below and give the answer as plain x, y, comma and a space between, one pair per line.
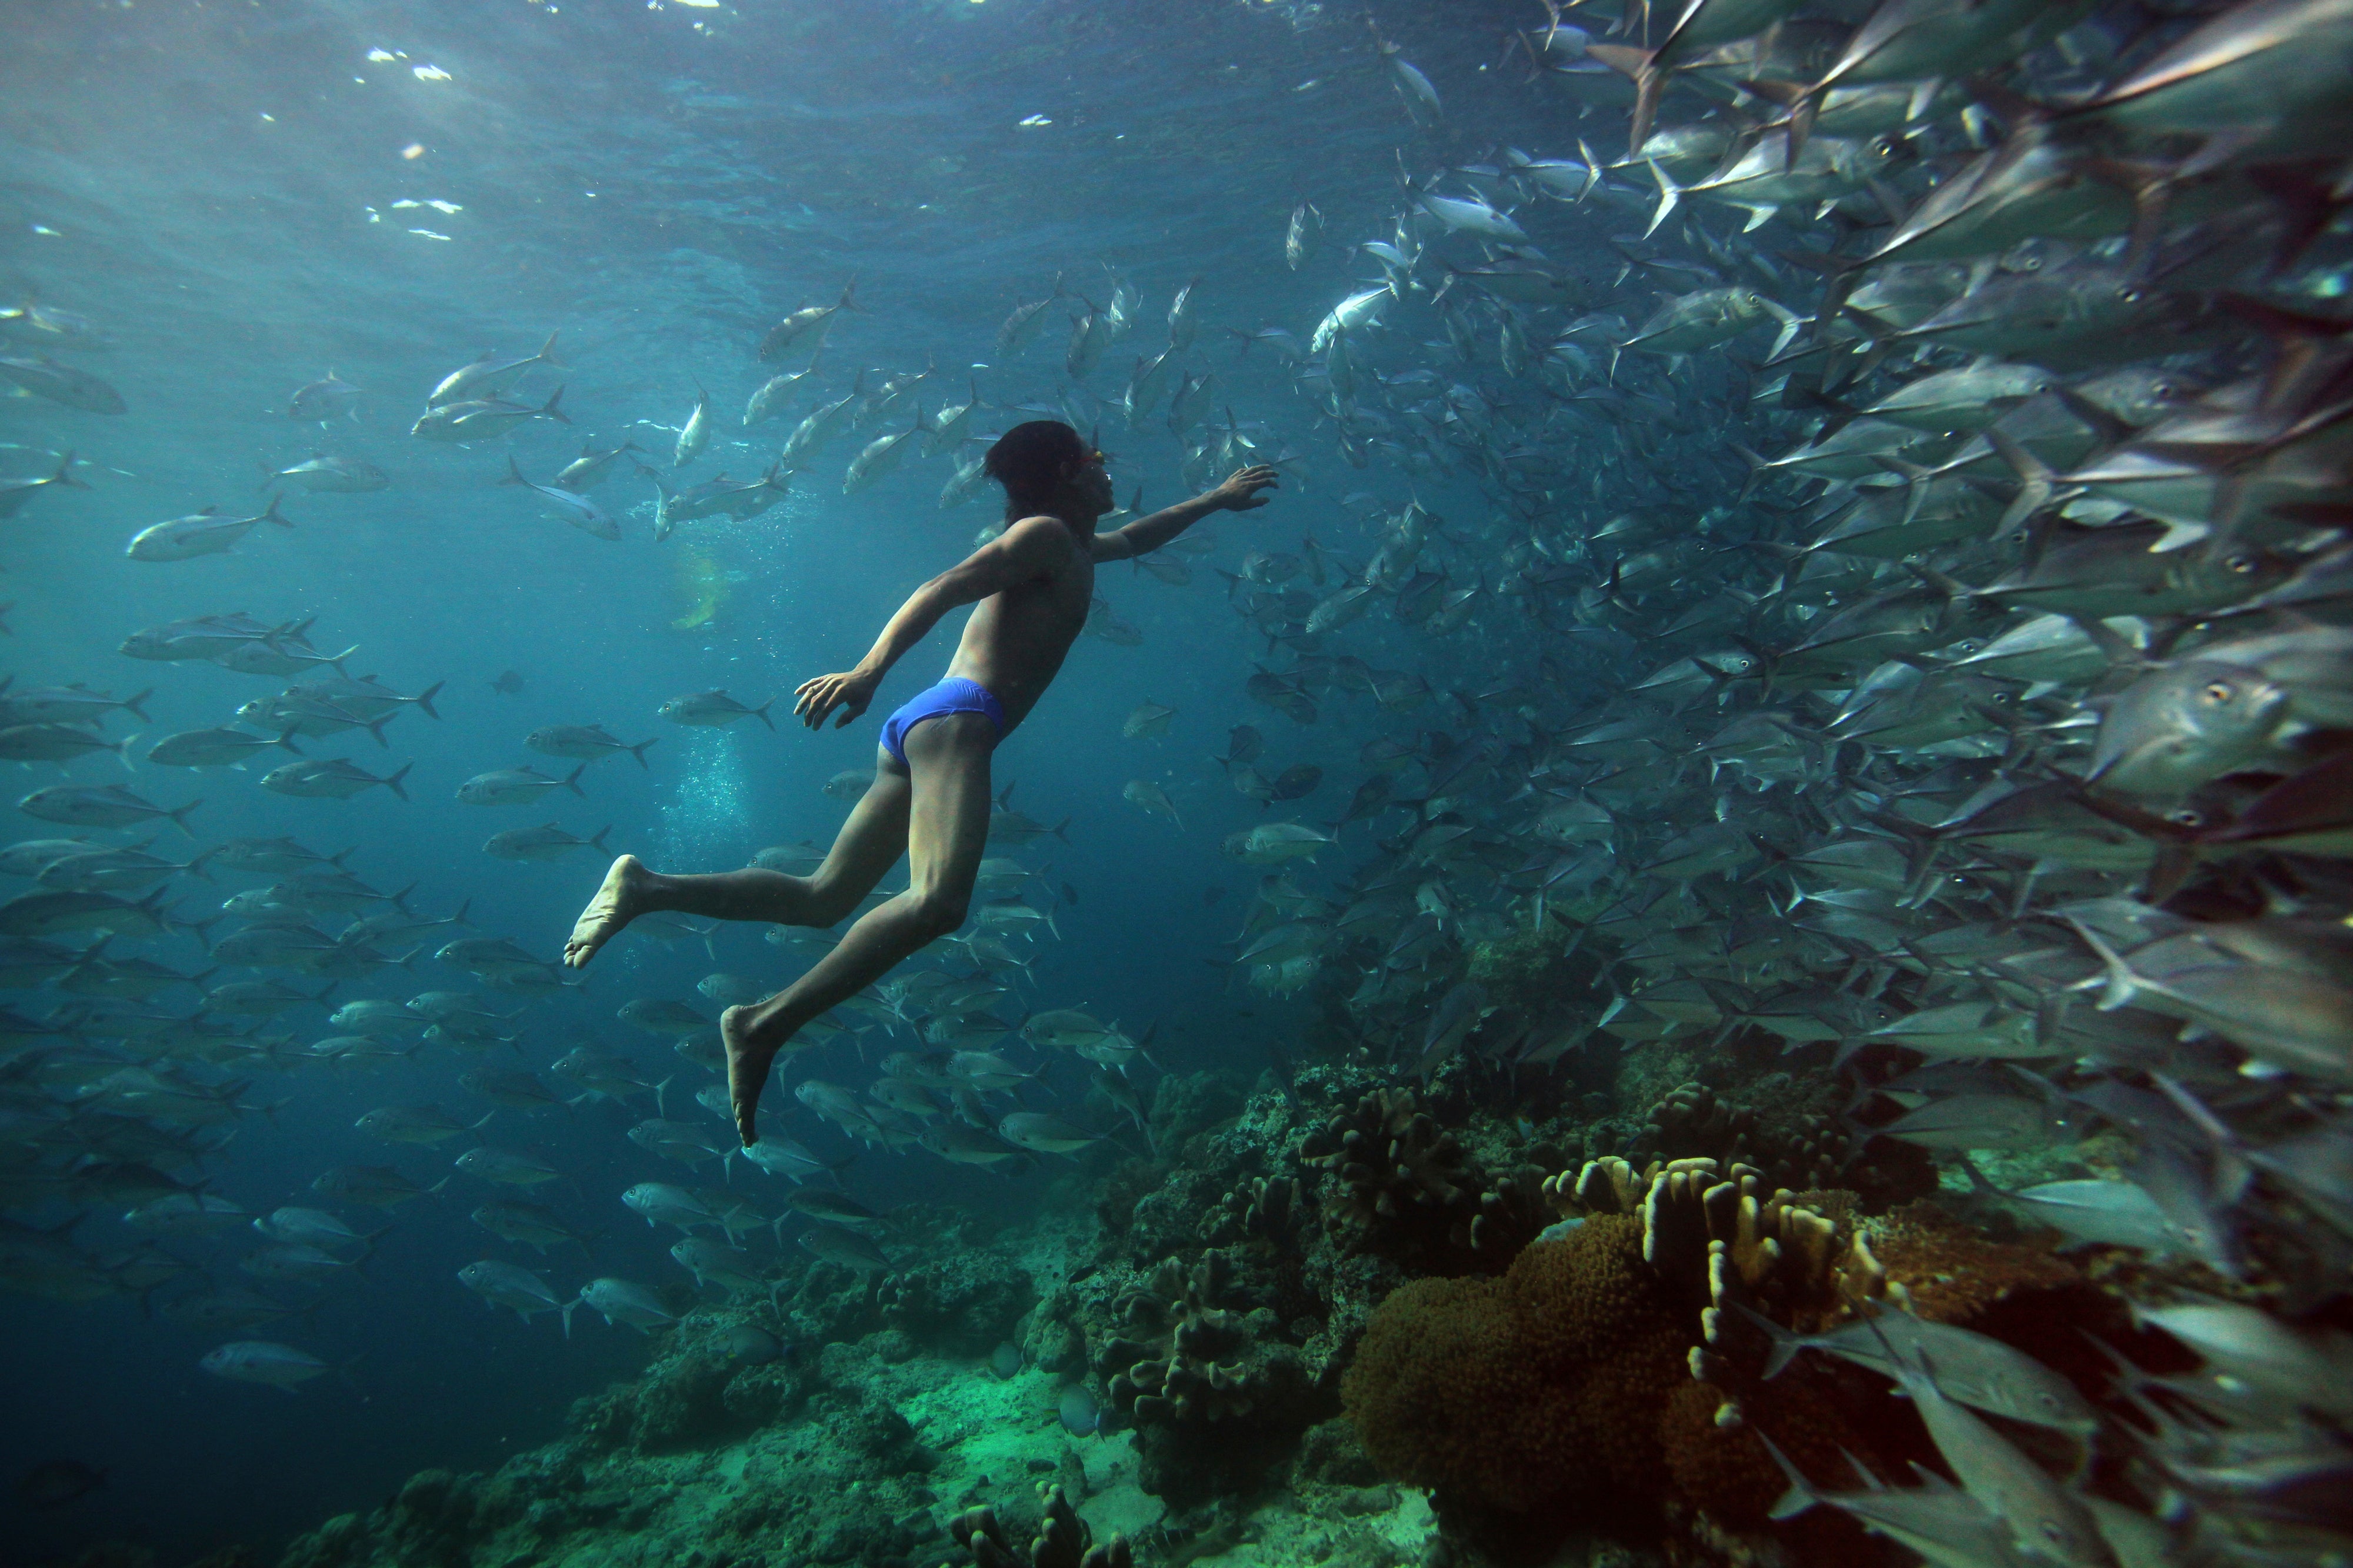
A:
930, 800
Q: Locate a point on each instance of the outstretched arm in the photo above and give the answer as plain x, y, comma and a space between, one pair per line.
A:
1147, 535
1030, 548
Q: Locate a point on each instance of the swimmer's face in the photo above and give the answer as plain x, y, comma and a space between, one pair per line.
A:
1093, 480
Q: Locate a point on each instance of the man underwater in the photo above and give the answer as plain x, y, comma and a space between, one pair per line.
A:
930, 800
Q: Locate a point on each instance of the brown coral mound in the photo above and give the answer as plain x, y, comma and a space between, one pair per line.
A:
1953, 1274
1539, 1390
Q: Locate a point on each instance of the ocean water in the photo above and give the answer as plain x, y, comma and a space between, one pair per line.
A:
227, 201
223, 192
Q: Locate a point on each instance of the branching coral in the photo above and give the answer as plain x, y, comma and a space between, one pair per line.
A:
1063, 1540
1195, 1369
1259, 1212
1692, 1123
1392, 1162
1215, 1395
1791, 1143
1400, 1186
1787, 1255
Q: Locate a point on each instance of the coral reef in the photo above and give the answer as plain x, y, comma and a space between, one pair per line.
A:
1192, 1385
1785, 1129
1336, 1293
965, 1302
1608, 1373
1063, 1538
1565, 1391
1397, 1184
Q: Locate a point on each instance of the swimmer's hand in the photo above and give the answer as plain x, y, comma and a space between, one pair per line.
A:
850, 693
1240, 492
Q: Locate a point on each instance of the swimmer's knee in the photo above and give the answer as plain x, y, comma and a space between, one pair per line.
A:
939, 911
828, 904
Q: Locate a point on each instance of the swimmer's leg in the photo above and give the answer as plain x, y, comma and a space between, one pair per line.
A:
946, 833
868, 843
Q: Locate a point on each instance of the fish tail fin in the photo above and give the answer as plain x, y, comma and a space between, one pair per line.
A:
1758, 467
271, 515
1670, 194
1785, 1345
515, 474
547, 354
1800, 1495
2122, 985
64, 474
597, 840
2036, 482
133, 704
572, 780
392, 784
552, 409
849, 295
1802, 110
761, 714
638, 752
180, 817
1641, 66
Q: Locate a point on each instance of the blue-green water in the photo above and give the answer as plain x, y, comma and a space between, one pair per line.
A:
1508, 524
223, 193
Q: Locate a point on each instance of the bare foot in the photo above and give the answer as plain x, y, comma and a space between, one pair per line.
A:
620, 900
751, 1041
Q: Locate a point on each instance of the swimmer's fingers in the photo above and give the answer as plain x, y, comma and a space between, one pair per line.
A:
816, 698
1248, 481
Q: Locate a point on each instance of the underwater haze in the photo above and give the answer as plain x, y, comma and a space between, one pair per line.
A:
1719, 936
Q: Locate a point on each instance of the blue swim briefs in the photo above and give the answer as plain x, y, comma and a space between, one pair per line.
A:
954, 694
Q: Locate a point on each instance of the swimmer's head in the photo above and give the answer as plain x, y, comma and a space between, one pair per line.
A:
1044, 465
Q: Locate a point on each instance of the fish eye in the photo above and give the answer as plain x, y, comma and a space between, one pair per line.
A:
2131, 293
2218, 691
2241, 564
2186, 816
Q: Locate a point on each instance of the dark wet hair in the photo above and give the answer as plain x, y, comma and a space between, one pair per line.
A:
1028, 460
